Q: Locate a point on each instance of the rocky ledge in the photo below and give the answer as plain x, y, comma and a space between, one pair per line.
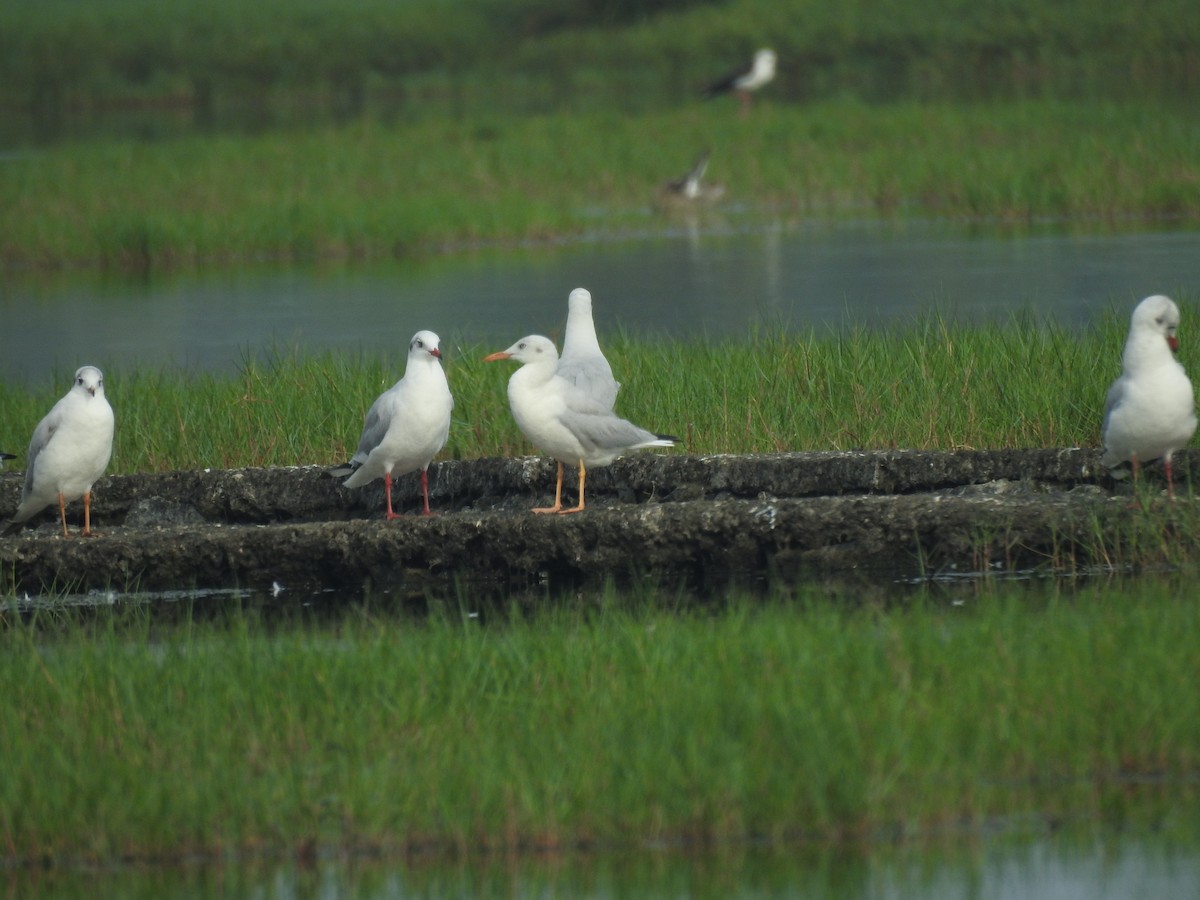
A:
900, 513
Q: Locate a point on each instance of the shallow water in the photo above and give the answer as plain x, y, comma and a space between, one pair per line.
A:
717, 281
1094, 865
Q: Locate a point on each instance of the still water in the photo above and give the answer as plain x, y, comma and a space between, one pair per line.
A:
1056, 867
716, 283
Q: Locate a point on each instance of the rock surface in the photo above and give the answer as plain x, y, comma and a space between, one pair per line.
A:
897, 512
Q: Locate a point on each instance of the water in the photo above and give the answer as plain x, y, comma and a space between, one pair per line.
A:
720, 283
1055, 867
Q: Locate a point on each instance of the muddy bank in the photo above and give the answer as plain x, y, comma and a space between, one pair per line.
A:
899, 512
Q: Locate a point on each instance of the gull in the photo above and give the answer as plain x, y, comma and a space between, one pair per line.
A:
1150, 411
747, 79
69, 450
582, 362
407, 425
563, 421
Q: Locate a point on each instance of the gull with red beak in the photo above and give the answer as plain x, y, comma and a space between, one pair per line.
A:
69, 450
407, 425
563, 420
1151, 410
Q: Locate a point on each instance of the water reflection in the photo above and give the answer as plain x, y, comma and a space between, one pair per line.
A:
1089, 866
723, 282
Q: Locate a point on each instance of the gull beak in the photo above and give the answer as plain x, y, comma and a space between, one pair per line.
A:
495, 356
92, 391
436, 353
1173, 343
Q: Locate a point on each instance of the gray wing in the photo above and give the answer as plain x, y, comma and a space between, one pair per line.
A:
41, 437
593, 376
1116, 393
375, 426
601, 430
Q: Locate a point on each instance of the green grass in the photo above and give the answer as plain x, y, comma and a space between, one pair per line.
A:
460, 57
372, 191
608, 722
933, 384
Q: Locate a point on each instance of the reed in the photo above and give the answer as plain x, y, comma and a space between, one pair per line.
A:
612, 720
373, 190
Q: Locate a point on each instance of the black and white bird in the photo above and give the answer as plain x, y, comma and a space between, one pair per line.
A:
562, 421
407, 425
746, 80
691, 189
69, 450
1150, 411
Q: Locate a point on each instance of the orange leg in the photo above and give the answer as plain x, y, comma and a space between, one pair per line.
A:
62, 513
557, 497
1170, 477
582, 478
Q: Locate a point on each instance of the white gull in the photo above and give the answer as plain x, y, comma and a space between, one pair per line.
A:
407, 425
69, 450
583, 363
1150, 411
563, 421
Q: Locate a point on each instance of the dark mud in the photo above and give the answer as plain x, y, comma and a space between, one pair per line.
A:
900, 513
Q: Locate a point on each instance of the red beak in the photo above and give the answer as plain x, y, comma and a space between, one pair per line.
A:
1173, 343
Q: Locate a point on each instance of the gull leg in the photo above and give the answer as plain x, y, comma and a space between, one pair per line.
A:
1170, 476
425, 491
87, 514
582, 478
62, 513
1133, 465
387, 484
557, 497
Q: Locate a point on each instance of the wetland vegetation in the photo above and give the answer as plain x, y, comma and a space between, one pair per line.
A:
612, 719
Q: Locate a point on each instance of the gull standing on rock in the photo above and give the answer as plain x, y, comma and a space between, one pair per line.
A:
582, 362
407, 425
69, 450
564, 421
1150, 411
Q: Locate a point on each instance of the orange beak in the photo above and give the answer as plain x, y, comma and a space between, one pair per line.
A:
495, 356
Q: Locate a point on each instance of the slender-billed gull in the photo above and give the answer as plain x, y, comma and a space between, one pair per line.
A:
69, 450
562, 420
407, 424
1150, 411
747, 79
582, 362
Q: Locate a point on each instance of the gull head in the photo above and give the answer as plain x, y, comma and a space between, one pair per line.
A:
425, 343
580, 297
1157, 315
532, 349
89, 380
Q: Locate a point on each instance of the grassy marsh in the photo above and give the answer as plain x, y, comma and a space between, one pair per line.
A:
933, 384
369, 190
611, 721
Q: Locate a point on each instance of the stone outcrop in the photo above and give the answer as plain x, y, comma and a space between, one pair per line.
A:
899, 513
